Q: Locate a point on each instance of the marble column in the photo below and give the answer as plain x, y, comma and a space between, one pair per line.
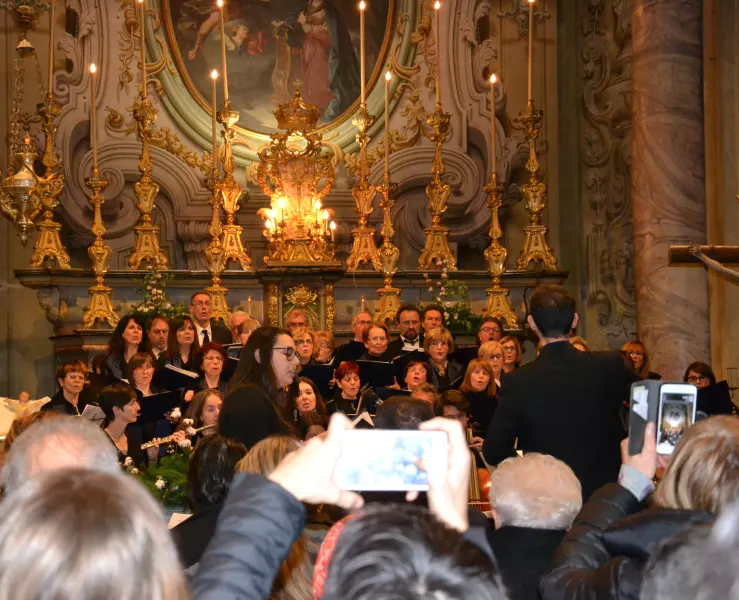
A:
668, 181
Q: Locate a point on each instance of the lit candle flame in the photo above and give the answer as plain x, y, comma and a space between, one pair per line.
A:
281, 203
93, 68
332, 226
214, 74
493, 79
437, 4
388, 75
268, 224
220, 3
325, 215
27, 139
362, 5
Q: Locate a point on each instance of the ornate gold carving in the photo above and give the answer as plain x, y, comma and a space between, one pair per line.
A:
330, 306
535, 246
19, 200
301, 296
436, 250
146, 241
389, 255
273, 292
363, 247
498, 303
100, 308
214, 253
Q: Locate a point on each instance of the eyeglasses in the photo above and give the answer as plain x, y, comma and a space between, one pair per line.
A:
438, 343
216, 358
490, 329
697, 378
363, 323
288, 351
146, 367
509, 349
324, 345
300, 343
206, 304
75, 377
636, 353
494, 356
296, 324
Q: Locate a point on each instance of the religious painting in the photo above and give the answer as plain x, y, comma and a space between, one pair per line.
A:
271, 45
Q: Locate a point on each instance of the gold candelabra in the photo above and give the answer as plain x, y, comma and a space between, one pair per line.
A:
498, 303
297, 226
49, 188
146, 234
230, 192
100, 308
535, 247
214, 252
19, 199
437, 251
389, 254
364, 250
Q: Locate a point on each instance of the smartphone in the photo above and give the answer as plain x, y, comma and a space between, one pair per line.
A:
382, 460
677, 402
643, 409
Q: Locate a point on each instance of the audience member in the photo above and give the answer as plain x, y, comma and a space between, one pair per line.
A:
323, 352
72, 397
638, 357
491, 330
534, 500
81, 533
425, 392
565, 403
19, 425
511, 353
353, 349
262, 390
157, 328
297, 318
128, 338
439, 344
210, 471
183, 345
305, 343
700, 375
210, 361
579, 343
403, 412
432, 318
606, 548
207, 328
409, 339
55, 444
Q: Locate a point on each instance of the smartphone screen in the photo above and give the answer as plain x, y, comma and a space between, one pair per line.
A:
386, 460
676, 414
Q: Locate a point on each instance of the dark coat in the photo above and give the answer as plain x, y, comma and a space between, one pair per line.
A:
565, 403
58, 403
193, 535
453, 372
603, 554
395, 347
523, 555
248, 416
349, 351
221, 333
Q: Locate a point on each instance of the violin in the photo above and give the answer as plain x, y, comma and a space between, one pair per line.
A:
479, 482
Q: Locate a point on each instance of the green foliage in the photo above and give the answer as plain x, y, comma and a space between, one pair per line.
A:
172, 470
453, 296
154, 299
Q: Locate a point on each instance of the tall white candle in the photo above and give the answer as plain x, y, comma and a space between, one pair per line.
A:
214, 109
388, 77
531, 51
51, 43
362, 7
493, 79
437, 7
142, 32
93, 116
223, 52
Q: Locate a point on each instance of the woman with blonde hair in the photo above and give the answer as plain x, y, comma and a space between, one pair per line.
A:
701, 480
305, 343
119, 523
511, 353
478, 379
324, 348
266, 455
492, 352
438, 345
638, 358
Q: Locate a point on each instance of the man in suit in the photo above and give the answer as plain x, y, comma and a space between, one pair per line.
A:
207, 329
409, 325
353, 349
565, 403
157, 328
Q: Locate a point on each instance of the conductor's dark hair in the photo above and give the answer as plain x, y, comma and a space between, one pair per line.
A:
402, 551
407, 308
211, 470
117, 394
701, 369
553, 309
403, 412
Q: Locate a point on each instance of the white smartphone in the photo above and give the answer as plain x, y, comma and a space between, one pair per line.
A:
677, 402
388, 460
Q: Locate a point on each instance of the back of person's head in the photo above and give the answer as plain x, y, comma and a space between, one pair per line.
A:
552, 308
703, 473
77, 533
57, 443
211, 470
676, 568
402, 412
394, 551
115, 395
267, 454
452, 398
535, 491
426, 392
294, 580
19, 425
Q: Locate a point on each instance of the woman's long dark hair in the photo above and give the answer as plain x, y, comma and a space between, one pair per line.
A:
260, 373
116, 345
173, 348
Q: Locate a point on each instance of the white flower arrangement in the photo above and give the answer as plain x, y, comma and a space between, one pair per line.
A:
128, 462
159, 483
187, 422
175, 415
190, 431
185, 444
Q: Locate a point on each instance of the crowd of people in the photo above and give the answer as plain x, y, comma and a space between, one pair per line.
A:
538, 498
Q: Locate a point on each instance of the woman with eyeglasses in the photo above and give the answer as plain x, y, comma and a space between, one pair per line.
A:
375, 341
323, 352
128, 338
305, 343
438, 345
492, 352
140, 373
511, 353
415, 373
700, 375
262, 390
637, 358
211, 359
182, 345
71, 398
491, 330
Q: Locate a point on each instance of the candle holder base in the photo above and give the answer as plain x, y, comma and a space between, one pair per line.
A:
389, 303
498, 305
218, 295
49, 244
100, 308
233, 248
535, 248
146, 248
437, 250
364, 250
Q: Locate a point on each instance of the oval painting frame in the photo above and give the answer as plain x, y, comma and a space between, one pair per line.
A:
183, 91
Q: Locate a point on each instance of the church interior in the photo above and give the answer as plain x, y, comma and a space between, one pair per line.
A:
340, 158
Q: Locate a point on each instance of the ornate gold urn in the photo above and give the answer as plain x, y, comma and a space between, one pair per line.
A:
296, 174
